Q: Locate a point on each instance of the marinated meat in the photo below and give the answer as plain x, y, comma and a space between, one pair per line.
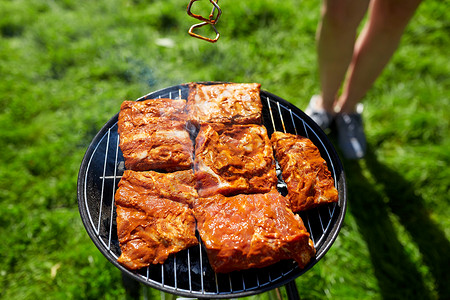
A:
237, 103
232, 159
177, 186
149, 227
154, 135
138, 113
308, 180
251, 231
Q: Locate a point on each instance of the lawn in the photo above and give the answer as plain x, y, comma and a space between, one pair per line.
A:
66, 66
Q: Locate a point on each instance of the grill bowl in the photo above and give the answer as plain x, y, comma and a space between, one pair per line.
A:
188, 273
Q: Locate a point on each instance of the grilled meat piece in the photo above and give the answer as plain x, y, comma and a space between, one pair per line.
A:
150, 226
308, 180
177, 186
251, 231
232, 159
237, 103
154, 135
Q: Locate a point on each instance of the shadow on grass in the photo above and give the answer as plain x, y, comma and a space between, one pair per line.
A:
398, 277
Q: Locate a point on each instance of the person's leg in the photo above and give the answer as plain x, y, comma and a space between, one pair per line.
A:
336, 37
375, 46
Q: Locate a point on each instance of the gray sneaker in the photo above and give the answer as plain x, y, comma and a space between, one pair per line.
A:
318, 115
351, 137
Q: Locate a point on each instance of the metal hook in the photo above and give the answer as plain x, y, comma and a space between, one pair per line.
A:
192, 33
211, 20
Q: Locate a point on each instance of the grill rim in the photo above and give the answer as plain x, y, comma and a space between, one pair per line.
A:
322, 248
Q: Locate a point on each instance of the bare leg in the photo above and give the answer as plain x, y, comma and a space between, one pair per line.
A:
375, 46
336, 37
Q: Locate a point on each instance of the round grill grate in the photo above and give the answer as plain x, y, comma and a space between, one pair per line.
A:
188, 273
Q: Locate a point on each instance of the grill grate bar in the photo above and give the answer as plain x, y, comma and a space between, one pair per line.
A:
310, 230
162, 275
103, 182
293, 122
320, 219
201, 268
217, 283
271, 114
281, 117
304, 128
111, 177
175, 270
112, 198
189, 269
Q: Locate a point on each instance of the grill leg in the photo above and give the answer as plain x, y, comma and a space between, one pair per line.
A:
291, 290
274, 294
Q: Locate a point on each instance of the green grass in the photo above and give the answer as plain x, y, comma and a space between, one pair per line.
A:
65, 67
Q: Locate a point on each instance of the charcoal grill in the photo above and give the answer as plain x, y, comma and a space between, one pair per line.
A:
188, 273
